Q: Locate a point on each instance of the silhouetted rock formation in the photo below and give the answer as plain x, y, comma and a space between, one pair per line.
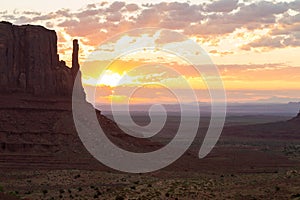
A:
296, 118
75, 62
36, 119
30, 63
35, 92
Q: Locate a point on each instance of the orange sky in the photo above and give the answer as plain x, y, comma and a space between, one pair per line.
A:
254, 44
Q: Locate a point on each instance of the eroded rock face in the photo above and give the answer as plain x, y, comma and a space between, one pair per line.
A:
35, 123
30, 64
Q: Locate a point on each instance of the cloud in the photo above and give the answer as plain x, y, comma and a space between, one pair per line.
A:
68, 23
188, 14
222, 53
265, 42
44, 17
132, 7
262, 11
63, 13
149, 17
295, 5
214, 20
210, 29
293, 41
222, 6
289, 19
116, 6
168, 37
23, 20
114, 17
91, 6
261, 72
31, 13
88, 13
272, 42
82, 28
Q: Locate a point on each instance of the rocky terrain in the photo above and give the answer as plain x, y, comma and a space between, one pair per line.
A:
83, 184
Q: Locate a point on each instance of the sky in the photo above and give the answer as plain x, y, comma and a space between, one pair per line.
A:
254, 45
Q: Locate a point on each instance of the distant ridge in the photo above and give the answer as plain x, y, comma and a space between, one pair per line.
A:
297, 118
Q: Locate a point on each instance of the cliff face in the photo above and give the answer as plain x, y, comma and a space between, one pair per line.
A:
30, 64
40, 130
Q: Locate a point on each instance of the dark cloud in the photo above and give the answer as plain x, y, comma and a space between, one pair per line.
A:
116, 6
290, 19
271, 42
63, 13
293, 41
295, 5
114, 17
266, 42
149, 17
8, 17
132, 7
186, 13
69, 23
91, 6
168, 37
87, 13
222, 6
171, 6
174, 25
210, 29
44, 17
262, 12
23, 20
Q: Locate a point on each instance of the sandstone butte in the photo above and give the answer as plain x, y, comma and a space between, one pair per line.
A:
36, 122
30, 62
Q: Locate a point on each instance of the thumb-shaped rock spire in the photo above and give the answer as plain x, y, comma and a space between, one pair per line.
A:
75, 62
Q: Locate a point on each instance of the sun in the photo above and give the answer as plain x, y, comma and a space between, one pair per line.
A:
110, 78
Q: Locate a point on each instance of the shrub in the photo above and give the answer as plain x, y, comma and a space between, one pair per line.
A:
295, 195
132, 187
120, 198
77, 176
45, 192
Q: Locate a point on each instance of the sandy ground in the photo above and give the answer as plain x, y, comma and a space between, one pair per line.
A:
82, 184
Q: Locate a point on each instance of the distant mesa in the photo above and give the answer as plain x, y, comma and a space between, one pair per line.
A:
30, 63
296, 119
